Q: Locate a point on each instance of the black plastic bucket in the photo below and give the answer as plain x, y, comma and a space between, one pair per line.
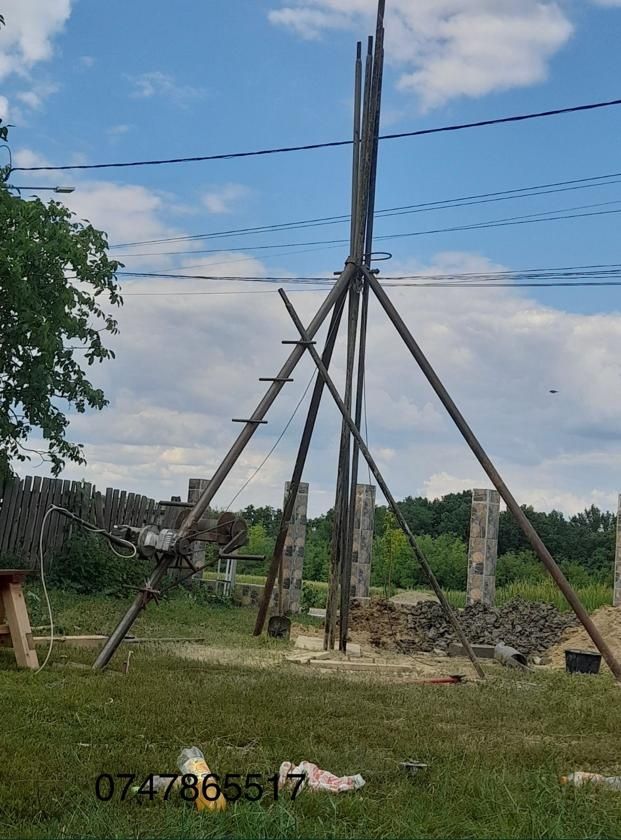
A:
582, 661
279, 627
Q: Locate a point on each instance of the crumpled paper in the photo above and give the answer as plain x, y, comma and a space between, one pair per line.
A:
317, 779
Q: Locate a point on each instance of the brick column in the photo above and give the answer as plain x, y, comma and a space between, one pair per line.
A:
362, 545
293, 558
483, 546
195, 488
616, 593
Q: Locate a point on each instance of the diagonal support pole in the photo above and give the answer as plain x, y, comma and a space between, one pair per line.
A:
482, 457
227, 464
294, 484
446, 607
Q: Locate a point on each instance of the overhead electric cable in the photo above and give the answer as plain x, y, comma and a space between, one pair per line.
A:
331, 144
442, 204
508, 221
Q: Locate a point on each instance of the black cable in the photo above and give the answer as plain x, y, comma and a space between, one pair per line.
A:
434, 285
528, 218
442, 204
311, 146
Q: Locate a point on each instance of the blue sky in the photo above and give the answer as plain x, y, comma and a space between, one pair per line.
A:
87, 82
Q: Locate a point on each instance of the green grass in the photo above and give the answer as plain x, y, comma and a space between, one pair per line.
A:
495, 749
593, 597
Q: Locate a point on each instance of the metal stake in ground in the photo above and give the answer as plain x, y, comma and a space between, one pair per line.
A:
446, 607
531, 534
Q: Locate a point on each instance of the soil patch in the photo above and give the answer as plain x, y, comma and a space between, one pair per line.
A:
608, 622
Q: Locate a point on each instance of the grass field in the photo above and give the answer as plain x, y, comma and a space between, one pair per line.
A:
593, 596
495, 749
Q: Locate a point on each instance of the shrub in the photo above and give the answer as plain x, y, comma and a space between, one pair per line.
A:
87, 565
313, 595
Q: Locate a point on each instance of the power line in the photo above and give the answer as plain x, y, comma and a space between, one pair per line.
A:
528, 218
601, 270
448, 203
433, 285
331, 144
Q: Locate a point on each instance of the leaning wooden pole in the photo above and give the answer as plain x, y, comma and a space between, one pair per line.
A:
229, 461
482, 457
420, 556
296, 477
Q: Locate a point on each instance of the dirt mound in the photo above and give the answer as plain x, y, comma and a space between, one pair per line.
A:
608, 622
528, 626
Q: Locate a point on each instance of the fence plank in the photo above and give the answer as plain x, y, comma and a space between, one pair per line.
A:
108, 508
55, 522
63, 530
136, 511
12, 500
98, 508
37, 511
129, 509
142, 511
114, 508
85, 500
31, 517
20, 529
8, 503
46, 502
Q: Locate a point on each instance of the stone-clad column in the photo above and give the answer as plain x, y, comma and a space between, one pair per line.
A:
616, 595
483, 547
195, 488
362, 544
293, 557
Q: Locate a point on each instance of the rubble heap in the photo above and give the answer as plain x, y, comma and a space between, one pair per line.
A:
529, 626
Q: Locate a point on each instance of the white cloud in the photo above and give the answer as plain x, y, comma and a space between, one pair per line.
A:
34, 98
156, 83
186, 364
87, 60
449, 48
4, 108
27, 38
223, 199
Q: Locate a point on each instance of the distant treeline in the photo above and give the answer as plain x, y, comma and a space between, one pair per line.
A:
583, 544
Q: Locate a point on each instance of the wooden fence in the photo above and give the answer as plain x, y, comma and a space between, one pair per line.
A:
23, 504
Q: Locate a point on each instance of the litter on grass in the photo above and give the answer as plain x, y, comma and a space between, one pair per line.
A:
581, 777
317, 779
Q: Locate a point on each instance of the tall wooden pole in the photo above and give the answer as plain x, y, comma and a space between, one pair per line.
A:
338, 545
363, 252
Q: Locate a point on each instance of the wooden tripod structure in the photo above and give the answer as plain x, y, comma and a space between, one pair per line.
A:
353, 286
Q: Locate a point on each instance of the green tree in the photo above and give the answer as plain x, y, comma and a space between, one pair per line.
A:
54, 275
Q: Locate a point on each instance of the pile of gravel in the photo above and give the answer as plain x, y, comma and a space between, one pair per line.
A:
529, 626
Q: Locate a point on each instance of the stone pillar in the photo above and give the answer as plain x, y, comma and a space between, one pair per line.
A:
293, 557
483, 547
195, 488
362, 544
616, 592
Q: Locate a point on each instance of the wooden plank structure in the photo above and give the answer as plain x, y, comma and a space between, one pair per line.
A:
15, 630
23, 503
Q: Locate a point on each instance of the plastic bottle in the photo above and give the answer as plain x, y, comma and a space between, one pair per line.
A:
191, 760
581, 777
